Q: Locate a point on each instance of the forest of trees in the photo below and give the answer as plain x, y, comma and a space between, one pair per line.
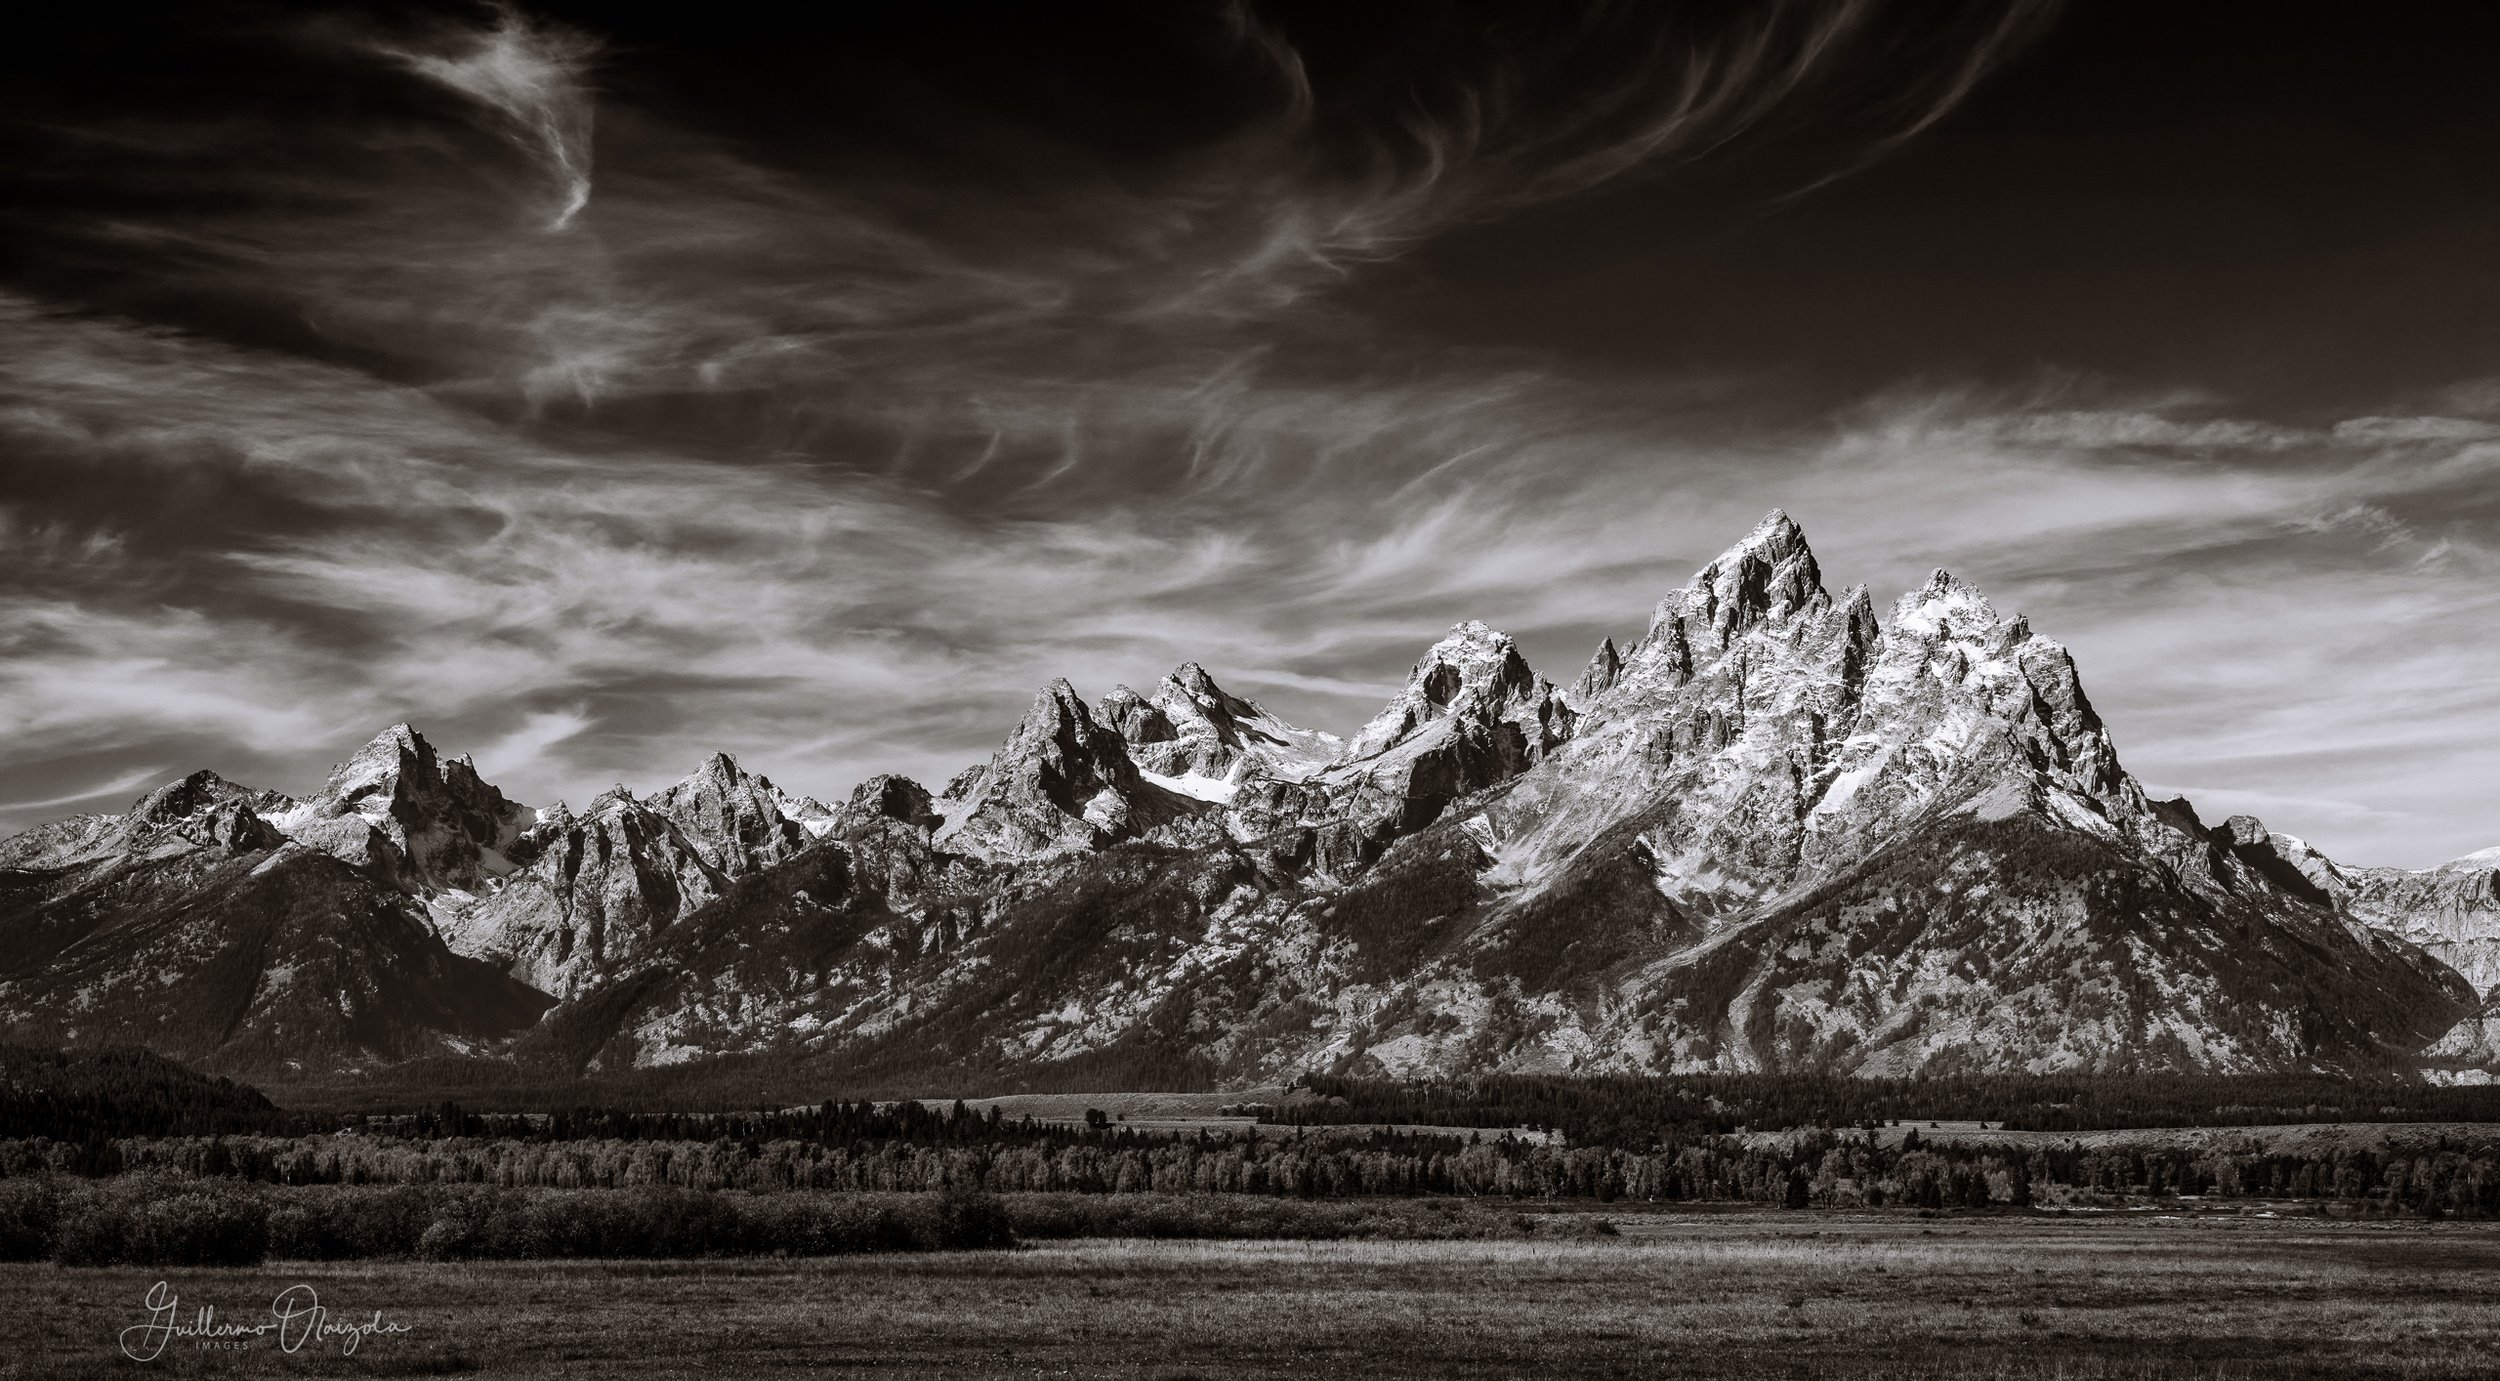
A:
965, 1152
86, 1094
1798, 1141
1634, 1111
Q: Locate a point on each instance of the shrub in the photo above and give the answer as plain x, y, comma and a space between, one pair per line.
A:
218, 1226
29, 1209
345, 1223
826, 1225
92, 1229
148, 1221
1580, 1225
1243, 1217
959, 1221
447, 1239
298, 1232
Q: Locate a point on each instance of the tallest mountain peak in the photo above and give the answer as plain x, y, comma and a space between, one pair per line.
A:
1776, 527
412, 817
378, 766
400, 737
1765, 578
1775, 540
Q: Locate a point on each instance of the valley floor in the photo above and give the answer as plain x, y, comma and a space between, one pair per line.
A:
1728, 1295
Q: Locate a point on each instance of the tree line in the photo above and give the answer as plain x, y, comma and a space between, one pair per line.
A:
1633, 1111
1823, 1169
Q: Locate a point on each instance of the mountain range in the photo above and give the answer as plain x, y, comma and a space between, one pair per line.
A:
1781, 830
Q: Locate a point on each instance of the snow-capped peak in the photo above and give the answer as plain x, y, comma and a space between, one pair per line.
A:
1765, 578
1192, 727
1946, 606
398, 809
1472, 670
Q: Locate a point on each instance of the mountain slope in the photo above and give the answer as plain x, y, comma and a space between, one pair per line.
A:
221, 942
1777, 831
2452, 912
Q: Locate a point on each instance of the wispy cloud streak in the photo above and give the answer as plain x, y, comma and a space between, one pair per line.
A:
115, 787
831, 468
527, 78
591, 616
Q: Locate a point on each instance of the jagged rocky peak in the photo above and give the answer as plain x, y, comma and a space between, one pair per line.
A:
1604, 668
1472, 716
1060, 737
1061, 781
376, 775
402, 812
1474, 674
1947, 636
1134, 718
619, 797
1192, 727
202, 810
1771, 729
1857, 613
180, 800
1767, 578
738, 821
1948, 606
891, 796
2248, 829
1211, 729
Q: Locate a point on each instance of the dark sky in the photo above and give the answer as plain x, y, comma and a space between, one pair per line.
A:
596, 386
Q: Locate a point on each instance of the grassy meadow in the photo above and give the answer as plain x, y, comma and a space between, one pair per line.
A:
1740, 1294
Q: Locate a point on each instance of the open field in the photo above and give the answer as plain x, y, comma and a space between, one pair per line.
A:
1725, 1295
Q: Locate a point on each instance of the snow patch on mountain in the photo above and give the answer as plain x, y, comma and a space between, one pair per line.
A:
1215, 790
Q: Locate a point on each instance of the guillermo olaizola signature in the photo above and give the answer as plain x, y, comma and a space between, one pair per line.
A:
297, 1316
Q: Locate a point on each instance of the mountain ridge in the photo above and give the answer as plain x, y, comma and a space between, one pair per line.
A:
1776, 831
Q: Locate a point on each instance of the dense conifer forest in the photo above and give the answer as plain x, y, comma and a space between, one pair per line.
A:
84, 1094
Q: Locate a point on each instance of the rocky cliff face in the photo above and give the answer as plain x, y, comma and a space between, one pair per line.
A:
739, 823
598, 888
202, 933
1193, 736
1779, 831
1062, 782
2452, 912
410, 819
